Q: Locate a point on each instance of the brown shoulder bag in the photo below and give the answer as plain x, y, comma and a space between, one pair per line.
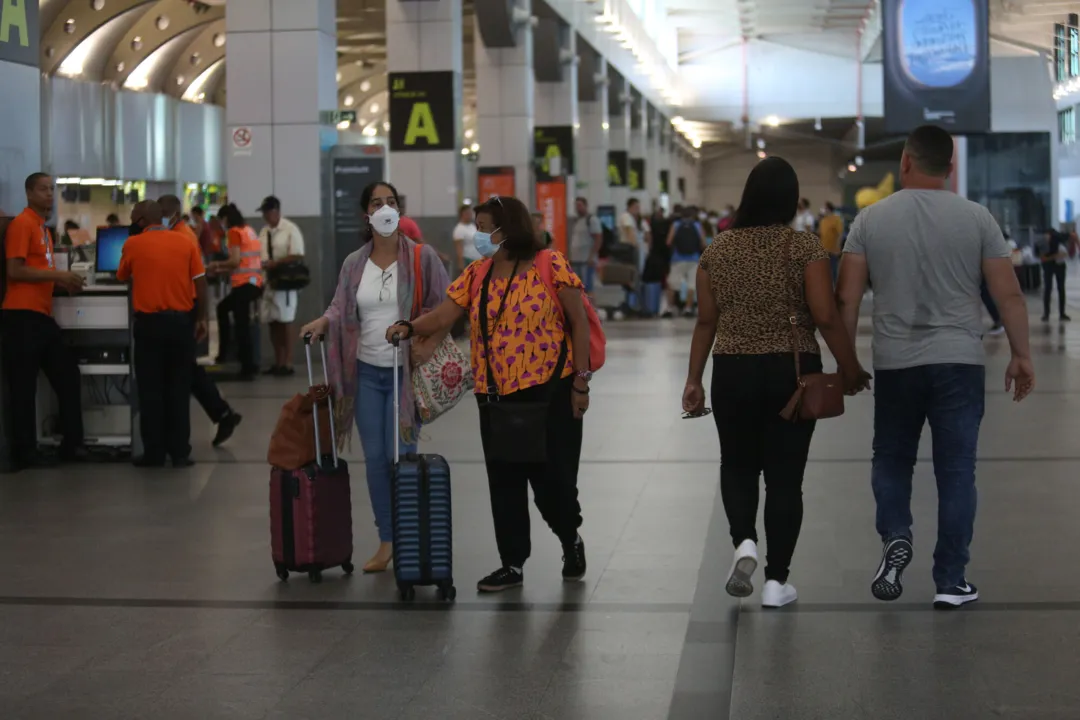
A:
819, 396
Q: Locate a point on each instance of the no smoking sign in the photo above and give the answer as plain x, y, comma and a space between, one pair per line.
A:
241, 141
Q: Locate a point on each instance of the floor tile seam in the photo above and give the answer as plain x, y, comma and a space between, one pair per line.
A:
1004, 606
622, 533
674, 461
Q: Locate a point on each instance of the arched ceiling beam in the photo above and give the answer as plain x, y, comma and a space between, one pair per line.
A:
201, 53
57, 44
155, 66
181, 17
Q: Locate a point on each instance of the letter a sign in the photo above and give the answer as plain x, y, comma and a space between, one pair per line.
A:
422, 113
19, 31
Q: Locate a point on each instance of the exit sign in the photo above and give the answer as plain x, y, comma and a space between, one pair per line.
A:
333, 117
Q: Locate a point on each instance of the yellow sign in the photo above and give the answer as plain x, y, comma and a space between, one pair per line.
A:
19, 31
422, 114
421, 125
13, 17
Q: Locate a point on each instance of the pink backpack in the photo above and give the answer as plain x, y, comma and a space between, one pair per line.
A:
597, 340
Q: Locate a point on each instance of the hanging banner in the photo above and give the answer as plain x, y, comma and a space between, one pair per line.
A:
494, 181
618, 168
637, 174
422, 115
553, 150
665, 178
20, 32
936, 65
551, 201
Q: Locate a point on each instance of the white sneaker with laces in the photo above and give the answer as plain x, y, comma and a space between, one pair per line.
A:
742, 568
775, 595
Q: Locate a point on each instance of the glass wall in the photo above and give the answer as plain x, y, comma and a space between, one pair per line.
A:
1009, 173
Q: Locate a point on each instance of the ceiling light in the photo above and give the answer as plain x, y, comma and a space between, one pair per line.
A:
338, 76
120, 67
219, 40
361, 121
696, 143
343, 125
677, 120
97, 4
136, 43
605, 125
772, 121
468, 134
761, 154
374, 107
851, 168
349, 101
69, 26
386, 126
859, 160
162, 22
475, 147
371, 131
464, 151
195, 59
761, 143
179, 79
365, 86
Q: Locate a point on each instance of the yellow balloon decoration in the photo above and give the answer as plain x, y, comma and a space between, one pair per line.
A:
867, 196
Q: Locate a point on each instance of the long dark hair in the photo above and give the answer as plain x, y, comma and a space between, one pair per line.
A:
771, 195
515, 222
232, 216
365, 200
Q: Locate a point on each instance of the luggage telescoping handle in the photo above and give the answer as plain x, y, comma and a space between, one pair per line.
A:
396, 342
308, 337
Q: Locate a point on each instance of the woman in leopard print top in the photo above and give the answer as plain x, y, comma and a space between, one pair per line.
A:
750, 294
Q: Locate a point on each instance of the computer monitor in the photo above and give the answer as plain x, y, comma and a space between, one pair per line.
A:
110, 243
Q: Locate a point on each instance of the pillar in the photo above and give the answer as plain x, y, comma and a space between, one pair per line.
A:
505, 102
424, 52
593, 142
652, 153
281, 72
639, 122
556, 106
663, 158
619, 135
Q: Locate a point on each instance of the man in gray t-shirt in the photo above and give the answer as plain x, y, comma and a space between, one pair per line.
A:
585, 239
925, 251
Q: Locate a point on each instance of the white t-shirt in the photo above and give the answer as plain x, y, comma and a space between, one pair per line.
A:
377, 303
804, 222
286, 239
626, 220
463, 232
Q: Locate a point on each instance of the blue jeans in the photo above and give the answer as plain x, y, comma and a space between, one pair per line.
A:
587, 273
952, 399
375, 423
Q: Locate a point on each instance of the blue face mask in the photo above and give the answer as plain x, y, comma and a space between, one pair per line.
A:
484, 246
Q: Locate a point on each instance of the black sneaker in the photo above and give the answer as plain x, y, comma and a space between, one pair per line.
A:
226, 427
1065, 318
954, 597
897, 555
272, 370
573, 568
502, 579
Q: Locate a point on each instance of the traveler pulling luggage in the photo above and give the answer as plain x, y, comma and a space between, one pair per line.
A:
311, 506
422, 515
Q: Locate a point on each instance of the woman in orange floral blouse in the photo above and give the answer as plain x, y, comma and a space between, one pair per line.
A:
530, 359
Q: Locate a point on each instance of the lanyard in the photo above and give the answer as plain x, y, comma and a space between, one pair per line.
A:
46, 240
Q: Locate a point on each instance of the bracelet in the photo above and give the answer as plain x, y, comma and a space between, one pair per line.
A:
579, 391
408, 326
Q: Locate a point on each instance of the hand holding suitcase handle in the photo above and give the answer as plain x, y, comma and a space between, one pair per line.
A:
308, 337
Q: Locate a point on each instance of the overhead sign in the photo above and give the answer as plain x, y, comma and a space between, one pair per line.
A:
665, 178
333, 117
20, 31
422, 114
637, 174
553, 149
618, 168
241, 141
936, 65
495, 182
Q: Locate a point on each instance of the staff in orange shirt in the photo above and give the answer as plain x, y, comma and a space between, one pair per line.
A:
162, 264
32, 339
203, 387
246, 278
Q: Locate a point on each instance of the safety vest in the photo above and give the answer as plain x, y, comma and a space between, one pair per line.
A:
250, 269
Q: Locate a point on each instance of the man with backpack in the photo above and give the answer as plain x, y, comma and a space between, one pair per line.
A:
686, 238
586, 240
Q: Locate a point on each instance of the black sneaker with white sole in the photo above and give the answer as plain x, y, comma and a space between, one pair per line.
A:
573, 568
887, 583
502, 579
956, 596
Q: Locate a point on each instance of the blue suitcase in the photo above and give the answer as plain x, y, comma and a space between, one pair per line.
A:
422, 516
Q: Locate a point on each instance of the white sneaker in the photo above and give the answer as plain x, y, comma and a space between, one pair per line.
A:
742, 568
775, 595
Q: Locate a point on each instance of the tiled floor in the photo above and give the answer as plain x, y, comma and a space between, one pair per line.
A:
128, 594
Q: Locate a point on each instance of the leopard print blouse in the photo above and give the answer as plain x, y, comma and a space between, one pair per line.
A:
756, 291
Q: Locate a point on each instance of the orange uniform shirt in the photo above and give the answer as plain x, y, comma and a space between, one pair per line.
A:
184, 229
250, 270
161, 265
28, 238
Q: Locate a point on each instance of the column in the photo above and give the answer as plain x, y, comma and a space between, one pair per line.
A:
593, 141
639, 122
424, 59
21, 122
504, 103
663, 158
281, 73
557, 124
653, 165
619, 136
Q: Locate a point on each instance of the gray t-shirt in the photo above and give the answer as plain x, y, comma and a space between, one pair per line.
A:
924, 251
581, 242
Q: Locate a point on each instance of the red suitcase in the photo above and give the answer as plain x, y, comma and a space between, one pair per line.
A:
311, 508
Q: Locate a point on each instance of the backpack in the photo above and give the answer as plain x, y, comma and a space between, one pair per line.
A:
687, 240
597, 340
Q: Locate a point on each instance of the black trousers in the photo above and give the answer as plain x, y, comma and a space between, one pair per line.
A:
554, 483
1050, 272
164, 356
205, 390
33, 344
238, 303
748, 393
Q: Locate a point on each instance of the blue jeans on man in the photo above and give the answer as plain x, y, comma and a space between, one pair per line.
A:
587, 272
951, 397
375, 423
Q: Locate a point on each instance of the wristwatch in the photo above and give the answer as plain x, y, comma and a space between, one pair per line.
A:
585, 375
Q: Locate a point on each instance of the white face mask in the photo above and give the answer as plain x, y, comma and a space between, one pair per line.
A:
384, 221
701, 216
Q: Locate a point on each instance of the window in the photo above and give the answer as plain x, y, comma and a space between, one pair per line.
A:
1067, 126
1074, 52
1060, 53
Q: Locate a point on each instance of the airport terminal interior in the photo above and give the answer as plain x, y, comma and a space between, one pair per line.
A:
133, 592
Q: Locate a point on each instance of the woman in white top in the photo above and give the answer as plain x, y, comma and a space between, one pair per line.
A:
376, 288
463, 238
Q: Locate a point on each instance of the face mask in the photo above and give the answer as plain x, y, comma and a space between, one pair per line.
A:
484, 245
384, 221
713, 219
701, 216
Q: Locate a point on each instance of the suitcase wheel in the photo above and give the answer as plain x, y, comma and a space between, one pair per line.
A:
348, 567
282, 572
447, 593
408, 592
315, 576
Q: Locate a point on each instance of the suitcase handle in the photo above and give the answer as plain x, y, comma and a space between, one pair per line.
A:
308, 337
396, 342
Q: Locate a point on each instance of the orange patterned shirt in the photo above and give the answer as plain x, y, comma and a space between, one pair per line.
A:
525, 346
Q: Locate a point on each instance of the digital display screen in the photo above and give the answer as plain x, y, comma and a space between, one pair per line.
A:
110, 244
